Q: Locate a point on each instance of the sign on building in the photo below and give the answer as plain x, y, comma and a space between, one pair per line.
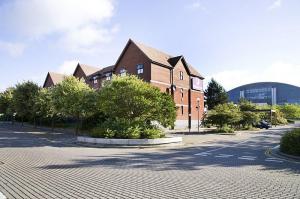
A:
197, 84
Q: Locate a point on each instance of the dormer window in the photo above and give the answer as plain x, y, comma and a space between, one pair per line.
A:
95, 79
140, 69
181, 75
123, 72
108, 76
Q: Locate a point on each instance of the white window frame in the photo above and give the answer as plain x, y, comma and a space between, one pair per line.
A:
140, 68
123, 72
180, 75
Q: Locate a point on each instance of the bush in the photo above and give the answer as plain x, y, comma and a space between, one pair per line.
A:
224, 129
290, 143
122, 129
152, 133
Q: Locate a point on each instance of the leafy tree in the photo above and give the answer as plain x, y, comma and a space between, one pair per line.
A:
74, 98
249, 114
129, 98
23, 99
215, 94
6, 103
44, 106
224, 114
290, 111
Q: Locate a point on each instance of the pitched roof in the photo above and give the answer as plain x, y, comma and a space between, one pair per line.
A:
55, 77
103, 70
88, 70
164, 58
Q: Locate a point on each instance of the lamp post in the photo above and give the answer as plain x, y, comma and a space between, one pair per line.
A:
198, 109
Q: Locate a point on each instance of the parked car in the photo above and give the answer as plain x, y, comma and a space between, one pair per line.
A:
263, 125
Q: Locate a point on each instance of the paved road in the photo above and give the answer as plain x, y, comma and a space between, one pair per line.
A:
43, 165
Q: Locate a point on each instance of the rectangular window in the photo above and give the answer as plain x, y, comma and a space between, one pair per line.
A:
140, 68
95, 80
108, 76
181, 75
181, 91
123, 72
181, 110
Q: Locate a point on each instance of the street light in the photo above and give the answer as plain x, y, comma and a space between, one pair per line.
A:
198, 108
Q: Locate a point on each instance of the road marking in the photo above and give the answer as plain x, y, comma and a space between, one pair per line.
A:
222, 148
2, 196
247, 158
223, 156
203, 154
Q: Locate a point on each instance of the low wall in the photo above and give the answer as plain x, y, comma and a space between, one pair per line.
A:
132, 142
184, 124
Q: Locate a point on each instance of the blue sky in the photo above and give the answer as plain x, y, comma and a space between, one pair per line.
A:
234, 41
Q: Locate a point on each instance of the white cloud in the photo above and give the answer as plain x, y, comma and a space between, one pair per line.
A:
13, 49
79, 22
68, 67
277, 72
87, 39
275, 4
196, 5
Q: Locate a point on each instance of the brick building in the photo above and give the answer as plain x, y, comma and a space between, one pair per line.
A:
53, 79
171, 74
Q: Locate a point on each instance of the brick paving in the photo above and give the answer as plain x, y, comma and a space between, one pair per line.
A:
45, 165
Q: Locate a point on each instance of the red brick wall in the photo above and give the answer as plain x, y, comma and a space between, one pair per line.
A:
133, 56
160, 74
194, 111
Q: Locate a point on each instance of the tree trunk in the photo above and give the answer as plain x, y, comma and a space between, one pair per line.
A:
22, 121
34, 122
52, 124
77, 126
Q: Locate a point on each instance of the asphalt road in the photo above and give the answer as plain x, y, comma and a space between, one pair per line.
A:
37, 164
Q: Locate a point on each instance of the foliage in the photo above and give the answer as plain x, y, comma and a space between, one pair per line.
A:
24, 98
224, 129
74, 98
290, 142
6, 102
249, 116
278, 117
43, 105
215, 94
224, 114
129, 98
122, 128
290, 111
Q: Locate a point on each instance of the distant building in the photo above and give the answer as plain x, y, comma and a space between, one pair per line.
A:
271, 93
53, 79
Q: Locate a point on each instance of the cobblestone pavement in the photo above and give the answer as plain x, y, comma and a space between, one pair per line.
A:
44, 165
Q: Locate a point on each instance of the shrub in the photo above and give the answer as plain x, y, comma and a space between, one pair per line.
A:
99, 132
290, 142
152, 133
224, 129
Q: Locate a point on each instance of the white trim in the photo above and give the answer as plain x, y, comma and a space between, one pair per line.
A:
196, 91
158, 82
181, 105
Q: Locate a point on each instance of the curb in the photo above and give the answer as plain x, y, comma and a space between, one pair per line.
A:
276, 153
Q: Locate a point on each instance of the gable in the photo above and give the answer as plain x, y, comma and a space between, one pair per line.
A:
48, 81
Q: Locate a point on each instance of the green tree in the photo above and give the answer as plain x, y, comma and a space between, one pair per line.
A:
74, 98
249, 114
6, 102
224, 114
44, 106
129, 98
23, 99
215, 94
290, 111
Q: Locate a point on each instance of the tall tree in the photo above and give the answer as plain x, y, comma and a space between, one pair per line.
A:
134, 100
24, 98
74, 98
6, 105
215, 94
